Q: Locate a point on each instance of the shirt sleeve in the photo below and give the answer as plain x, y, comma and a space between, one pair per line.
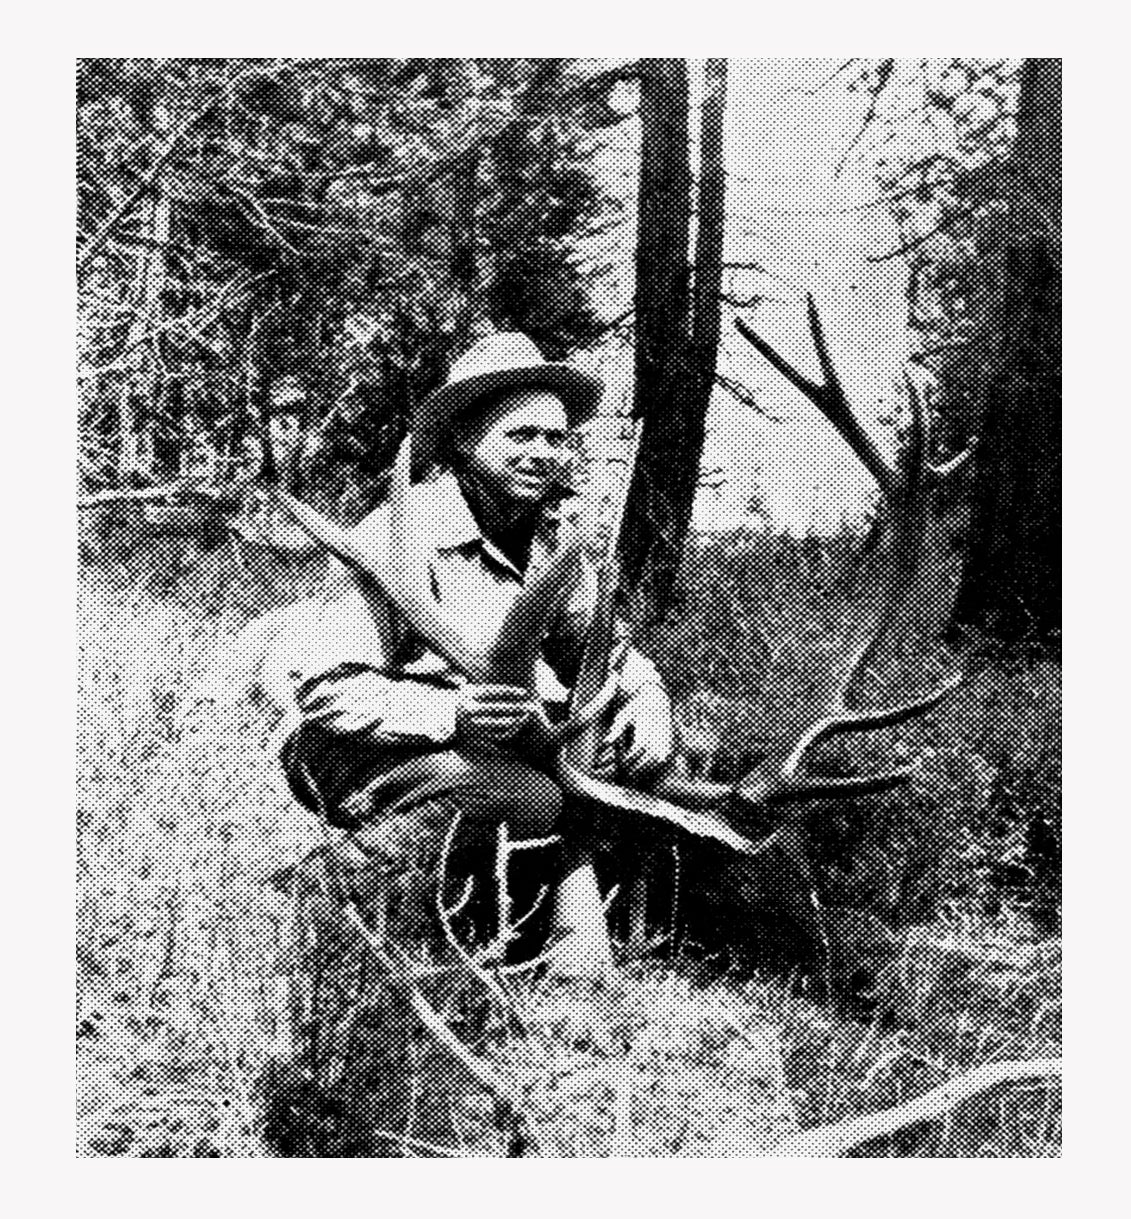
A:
355, 699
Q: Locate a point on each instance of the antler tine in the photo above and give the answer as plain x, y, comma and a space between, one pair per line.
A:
585, 716
829, 397
906, 506
937, 475
400, 579
860, 721
791, 785
940, 473
701, 823
400, 488
840, 414
810, 788
516, 647
598, 671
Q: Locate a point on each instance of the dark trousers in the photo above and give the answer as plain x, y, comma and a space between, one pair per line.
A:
352, 783
399, 805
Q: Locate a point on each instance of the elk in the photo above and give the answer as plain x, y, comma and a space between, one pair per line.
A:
781, 789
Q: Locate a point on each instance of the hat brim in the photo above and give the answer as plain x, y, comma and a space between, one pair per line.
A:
579, 391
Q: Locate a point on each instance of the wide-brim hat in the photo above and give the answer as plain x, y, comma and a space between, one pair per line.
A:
497, 364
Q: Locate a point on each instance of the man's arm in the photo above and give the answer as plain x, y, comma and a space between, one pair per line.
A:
355, 699
346, 683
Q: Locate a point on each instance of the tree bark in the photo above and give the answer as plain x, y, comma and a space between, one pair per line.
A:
1011, 586
677, 319
706, 310
142, 387
466, 273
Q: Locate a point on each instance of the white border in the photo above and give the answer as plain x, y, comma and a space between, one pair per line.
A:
37, 889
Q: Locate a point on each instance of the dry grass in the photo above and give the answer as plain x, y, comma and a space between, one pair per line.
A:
183, 1034
180, 813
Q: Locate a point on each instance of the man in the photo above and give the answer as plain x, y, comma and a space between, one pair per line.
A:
394, 733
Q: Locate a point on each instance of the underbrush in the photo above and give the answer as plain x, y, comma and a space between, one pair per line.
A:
183, 945
748, 651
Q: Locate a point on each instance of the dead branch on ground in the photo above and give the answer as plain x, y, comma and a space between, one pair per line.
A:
828, 1142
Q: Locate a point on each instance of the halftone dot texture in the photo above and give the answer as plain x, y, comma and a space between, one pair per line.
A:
321, 961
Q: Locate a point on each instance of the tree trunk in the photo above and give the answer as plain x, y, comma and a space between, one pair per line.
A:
141, 388
677, 325
709, 240
464, 267
1011, 586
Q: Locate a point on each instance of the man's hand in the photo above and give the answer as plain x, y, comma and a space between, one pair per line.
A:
643, 730
493, 714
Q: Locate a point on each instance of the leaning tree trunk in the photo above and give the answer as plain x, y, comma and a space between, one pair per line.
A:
1011, 585
465, 269
677, 319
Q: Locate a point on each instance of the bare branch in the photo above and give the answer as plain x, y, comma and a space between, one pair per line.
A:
265, 221
480, 1071
824, 84
445, 916
147, 180
883, 74
149, 494
914, 243
828, 1142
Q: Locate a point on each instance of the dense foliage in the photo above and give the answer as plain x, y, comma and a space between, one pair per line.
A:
308, 241
939, 136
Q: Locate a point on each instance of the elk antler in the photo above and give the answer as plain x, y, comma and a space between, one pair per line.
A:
904, 485
829, 397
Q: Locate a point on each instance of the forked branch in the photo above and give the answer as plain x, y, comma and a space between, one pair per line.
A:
398, 969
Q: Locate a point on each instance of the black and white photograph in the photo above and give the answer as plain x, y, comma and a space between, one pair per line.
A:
568, 607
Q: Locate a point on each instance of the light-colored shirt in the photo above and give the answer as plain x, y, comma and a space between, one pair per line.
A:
412, 691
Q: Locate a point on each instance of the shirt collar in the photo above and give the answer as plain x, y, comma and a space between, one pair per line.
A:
450, 524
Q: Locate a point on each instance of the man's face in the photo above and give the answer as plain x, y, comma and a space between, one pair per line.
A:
517, 449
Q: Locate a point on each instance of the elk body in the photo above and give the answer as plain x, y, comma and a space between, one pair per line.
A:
780, 792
